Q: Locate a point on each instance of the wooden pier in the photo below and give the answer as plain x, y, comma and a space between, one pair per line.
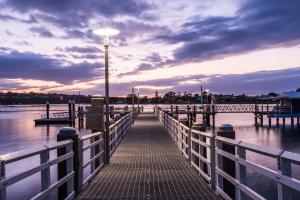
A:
148, 165
260, 111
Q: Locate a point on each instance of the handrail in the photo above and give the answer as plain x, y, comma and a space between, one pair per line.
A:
203, 147
95, 146
43, 167
68, 151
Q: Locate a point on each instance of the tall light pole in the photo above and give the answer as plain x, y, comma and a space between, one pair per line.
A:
133, 101
106, 33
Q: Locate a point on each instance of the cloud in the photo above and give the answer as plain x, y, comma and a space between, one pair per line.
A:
17, 65
77, 49
254, 83
42, 32
76, 13
153, 61
7, 17
256, 25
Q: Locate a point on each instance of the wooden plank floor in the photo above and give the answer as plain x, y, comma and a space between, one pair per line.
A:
147, 165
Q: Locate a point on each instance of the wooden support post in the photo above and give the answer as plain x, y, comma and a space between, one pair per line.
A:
176, 108
277, 121
261, 119
255, 119
189, 116
207, 119
283, 122
270, 121
292, 122
67, 133
73, 110
298, 121
195, 113
213, 116
70, 109
255, 114
226, 130
171, 108
47, 110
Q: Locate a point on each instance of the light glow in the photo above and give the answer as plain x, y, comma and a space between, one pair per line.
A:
106, 32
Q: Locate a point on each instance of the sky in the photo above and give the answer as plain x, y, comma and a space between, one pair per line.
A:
227, 46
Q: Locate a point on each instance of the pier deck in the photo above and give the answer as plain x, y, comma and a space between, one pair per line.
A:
148, 165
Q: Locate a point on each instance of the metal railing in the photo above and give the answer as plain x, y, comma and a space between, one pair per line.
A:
205, 152
96, 159
231, 108
43, 167
117, 131
80, 154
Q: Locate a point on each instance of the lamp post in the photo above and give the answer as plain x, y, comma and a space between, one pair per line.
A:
106, 33
133, 101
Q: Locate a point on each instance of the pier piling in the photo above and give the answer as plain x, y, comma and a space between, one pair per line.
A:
47, 110
70, 109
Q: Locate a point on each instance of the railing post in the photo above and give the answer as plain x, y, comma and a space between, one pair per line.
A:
45, 174
92, 154
69, 169
240, 173
189, 144
67, 133
2, 176
213, 181
285, 166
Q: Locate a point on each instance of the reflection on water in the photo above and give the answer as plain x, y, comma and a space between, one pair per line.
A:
17, 132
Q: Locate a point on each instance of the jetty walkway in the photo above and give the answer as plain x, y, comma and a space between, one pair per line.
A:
147, 165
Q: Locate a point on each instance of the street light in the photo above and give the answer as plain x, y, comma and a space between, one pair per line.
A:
106, 33
207, 94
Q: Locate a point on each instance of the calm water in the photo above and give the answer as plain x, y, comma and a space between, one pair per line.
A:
17, 132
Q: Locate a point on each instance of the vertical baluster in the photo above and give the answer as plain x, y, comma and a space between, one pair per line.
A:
240, 172
213, 181
69, 167
92, 154
45, 174
2, 177
189, 144
80, 164
285, 168
219, 165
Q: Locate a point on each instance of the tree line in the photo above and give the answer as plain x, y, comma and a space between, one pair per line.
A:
13, 98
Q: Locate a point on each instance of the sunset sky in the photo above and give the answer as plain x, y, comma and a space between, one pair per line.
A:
228, 46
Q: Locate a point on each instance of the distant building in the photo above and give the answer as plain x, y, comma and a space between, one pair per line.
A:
291, 99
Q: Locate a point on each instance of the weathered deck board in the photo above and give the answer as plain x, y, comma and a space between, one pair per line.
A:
148, 165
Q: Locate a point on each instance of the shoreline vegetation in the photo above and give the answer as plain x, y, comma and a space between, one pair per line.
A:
13, 98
